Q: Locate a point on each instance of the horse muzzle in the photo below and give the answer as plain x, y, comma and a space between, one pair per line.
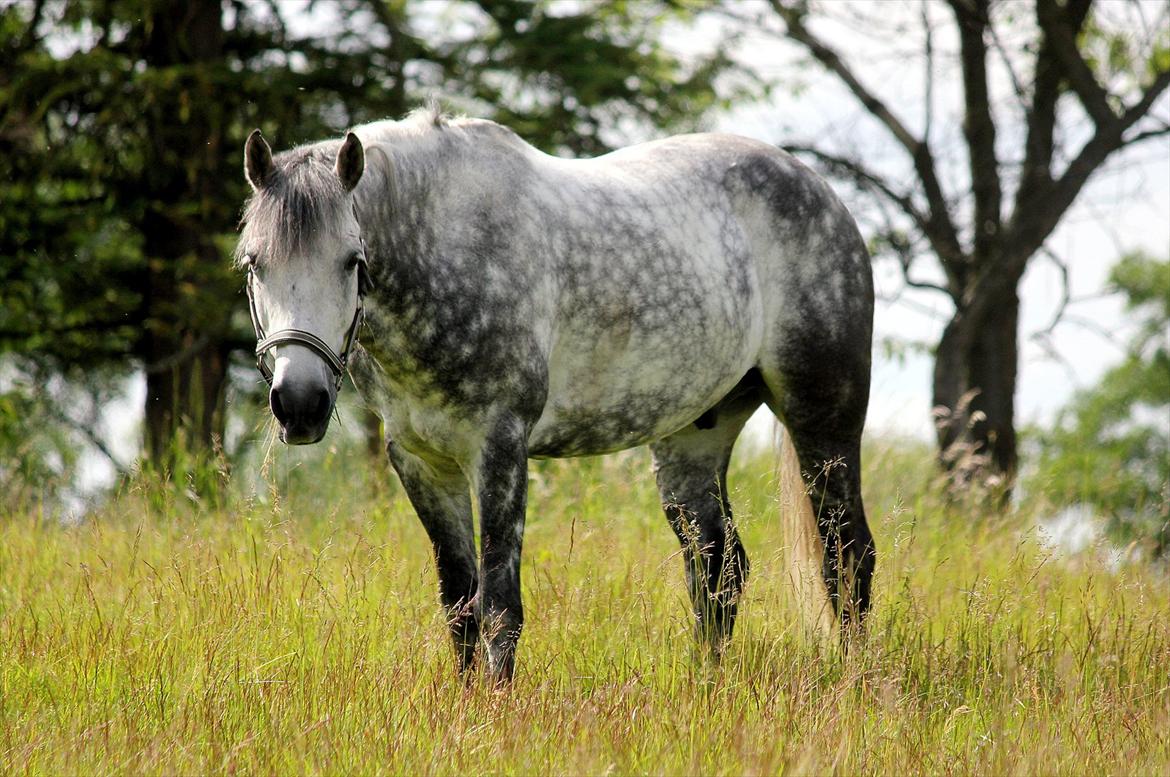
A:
302, 410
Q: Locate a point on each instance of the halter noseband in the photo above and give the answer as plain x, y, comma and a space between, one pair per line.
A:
338, 363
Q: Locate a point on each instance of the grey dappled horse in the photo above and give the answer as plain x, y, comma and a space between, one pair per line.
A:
519, 306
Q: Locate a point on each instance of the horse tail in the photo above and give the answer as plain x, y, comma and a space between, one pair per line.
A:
804, 552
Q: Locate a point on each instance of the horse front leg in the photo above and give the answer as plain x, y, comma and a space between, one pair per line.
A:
501, 481
441, 496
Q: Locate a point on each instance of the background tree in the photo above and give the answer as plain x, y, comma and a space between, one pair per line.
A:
121, 126
1110, 448
1082, 86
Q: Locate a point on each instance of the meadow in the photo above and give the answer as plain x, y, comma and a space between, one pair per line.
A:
292, 626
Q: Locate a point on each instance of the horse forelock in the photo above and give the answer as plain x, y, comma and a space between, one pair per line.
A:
303, 198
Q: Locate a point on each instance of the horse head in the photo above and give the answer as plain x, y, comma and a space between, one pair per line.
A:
305, 259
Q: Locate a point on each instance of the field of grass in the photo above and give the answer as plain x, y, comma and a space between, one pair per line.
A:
296, 630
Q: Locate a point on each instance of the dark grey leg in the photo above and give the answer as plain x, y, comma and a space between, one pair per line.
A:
691, 469
832, 472
821, 397
501, 483
440, 494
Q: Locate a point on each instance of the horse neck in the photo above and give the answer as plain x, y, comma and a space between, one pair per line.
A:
407, 178
418, 193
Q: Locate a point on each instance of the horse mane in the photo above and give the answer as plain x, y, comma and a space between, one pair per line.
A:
304, 197
431, 113
430, 119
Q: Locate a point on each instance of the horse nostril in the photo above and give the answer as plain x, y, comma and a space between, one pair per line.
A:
321, 409
296, 409
278, 408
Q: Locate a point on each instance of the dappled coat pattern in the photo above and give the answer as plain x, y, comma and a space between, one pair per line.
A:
524, 306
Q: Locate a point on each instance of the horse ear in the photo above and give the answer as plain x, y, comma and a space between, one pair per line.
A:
351, 162
257, 160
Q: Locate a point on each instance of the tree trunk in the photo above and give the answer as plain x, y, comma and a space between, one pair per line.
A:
186, 358
975, 385
185, 403
375, 440
185, 350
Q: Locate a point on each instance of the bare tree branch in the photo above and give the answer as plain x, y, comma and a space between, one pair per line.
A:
1036, 173
1152, 93
1146, 135
1040, 208
1013, 76
922, 284
906, 253
1062, 36
1035, 222
1096, 328
928, 107
863, 176
915, 305
903, 246
1044, 341
794, 19
91, 436
939, 226
1065, 295
979, 126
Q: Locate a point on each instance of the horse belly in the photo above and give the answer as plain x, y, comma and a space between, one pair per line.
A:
627, 381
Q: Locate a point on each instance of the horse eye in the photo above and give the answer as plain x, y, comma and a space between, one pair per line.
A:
353, 261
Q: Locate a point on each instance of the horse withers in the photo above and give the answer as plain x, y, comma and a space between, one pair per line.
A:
519, 306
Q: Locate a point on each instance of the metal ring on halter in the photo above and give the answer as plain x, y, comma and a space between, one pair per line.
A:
337, 362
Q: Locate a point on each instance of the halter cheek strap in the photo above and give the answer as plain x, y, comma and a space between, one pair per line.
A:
338, 363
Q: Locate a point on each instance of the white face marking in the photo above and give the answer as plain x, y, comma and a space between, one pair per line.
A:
315, 291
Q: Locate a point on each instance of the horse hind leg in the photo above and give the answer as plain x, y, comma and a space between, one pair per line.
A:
690, 467
820, 394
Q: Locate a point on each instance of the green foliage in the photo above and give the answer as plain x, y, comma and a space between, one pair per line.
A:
1110, 448
562, 77
38, 458
1120, 54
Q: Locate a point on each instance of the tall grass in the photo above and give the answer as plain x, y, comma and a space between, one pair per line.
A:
296, 629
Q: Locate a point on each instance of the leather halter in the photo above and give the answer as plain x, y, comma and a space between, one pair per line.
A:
338, 362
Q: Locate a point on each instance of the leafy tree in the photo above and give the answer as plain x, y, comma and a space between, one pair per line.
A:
38, 454
1083, 86
121, 129
1110, 448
